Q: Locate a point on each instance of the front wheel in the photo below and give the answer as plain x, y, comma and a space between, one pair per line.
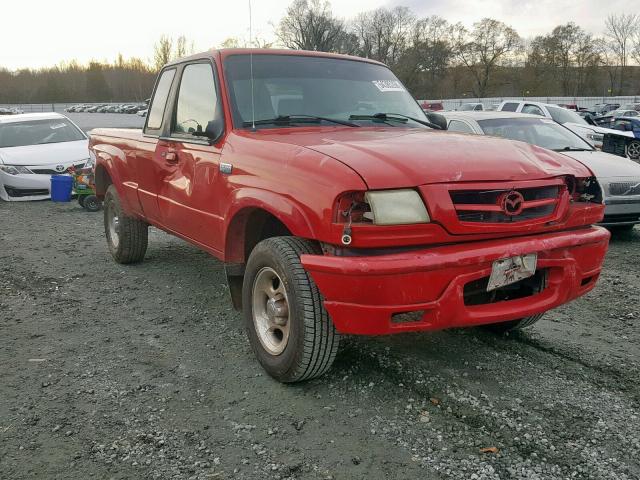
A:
126, 236
288, 327
504, 327
633, 150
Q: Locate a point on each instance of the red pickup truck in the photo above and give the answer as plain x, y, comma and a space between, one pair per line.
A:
337, 207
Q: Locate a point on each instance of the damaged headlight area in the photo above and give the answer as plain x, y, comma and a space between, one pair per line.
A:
585, 190
382, 207
14, 169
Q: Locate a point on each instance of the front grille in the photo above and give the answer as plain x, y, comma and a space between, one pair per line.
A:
624, 188
25, 192
475, 292
49, 171
485, 206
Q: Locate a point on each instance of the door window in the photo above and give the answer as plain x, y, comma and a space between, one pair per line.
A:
197, 106
458, 126
532, 109
159, 102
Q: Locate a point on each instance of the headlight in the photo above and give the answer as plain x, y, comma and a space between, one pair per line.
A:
91, 161
14, 169
595, 137
396, 207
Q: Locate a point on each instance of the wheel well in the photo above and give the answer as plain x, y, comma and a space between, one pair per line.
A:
102, 181
247, 229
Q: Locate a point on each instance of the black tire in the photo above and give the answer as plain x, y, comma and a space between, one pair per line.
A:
127, 240
81, 200
312, 340
614, 229
92, 203
504, 327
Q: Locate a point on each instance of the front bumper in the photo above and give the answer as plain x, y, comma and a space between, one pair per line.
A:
621, 211
24, 187
363, 293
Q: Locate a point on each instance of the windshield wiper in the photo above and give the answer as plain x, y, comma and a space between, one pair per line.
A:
289, 119
572, 149
396, 117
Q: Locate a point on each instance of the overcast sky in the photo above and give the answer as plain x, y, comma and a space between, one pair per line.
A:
35, 33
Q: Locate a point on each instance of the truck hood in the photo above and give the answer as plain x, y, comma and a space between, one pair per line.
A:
401, 157
606, 165
45, 154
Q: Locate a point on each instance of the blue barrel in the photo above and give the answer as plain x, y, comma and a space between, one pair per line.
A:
61, 186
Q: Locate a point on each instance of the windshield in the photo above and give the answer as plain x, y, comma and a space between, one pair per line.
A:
542, 132
290, 85
562, 115
37, 132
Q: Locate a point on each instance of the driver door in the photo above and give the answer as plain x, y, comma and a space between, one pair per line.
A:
189, 193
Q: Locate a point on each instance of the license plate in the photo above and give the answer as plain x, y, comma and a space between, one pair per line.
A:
510, 270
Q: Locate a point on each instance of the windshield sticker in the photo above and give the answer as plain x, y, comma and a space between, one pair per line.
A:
388, 85
55, 126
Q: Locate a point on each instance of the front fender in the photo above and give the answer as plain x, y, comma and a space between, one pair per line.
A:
246, 200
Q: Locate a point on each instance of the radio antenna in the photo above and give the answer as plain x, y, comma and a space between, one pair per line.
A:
253, 106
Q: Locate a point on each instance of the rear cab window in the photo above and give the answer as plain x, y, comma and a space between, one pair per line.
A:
509, 107
159, 102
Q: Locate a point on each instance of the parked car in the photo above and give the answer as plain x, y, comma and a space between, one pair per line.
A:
34, 146
476, 107
569, 106
621, 112
5, 111
343, 210
630, 126
618, 177
143, 113
594, 134
605, 108
432, 106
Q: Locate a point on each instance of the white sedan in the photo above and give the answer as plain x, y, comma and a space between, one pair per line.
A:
619, 177
33, 147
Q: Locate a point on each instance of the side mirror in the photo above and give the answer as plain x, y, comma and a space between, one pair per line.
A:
213, 132
438, 120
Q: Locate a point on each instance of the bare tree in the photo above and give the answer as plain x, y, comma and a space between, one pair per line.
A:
620, 31
486, 47
162, 51
183, 47
384, 34
310, 25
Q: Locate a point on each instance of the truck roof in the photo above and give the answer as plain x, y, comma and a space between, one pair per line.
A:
226, 52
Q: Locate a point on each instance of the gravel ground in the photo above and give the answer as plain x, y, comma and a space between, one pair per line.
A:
111, 371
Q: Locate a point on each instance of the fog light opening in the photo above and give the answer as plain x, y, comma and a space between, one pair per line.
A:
407, 317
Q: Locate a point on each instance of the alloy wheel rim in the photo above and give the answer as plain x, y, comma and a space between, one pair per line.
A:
271, 311
114, 227
634, 150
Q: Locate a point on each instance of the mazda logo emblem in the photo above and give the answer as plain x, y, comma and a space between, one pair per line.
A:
511, 203
60, 168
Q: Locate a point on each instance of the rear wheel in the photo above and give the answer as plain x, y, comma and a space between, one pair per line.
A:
504, 327
126, 236
633, 150
288, 327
